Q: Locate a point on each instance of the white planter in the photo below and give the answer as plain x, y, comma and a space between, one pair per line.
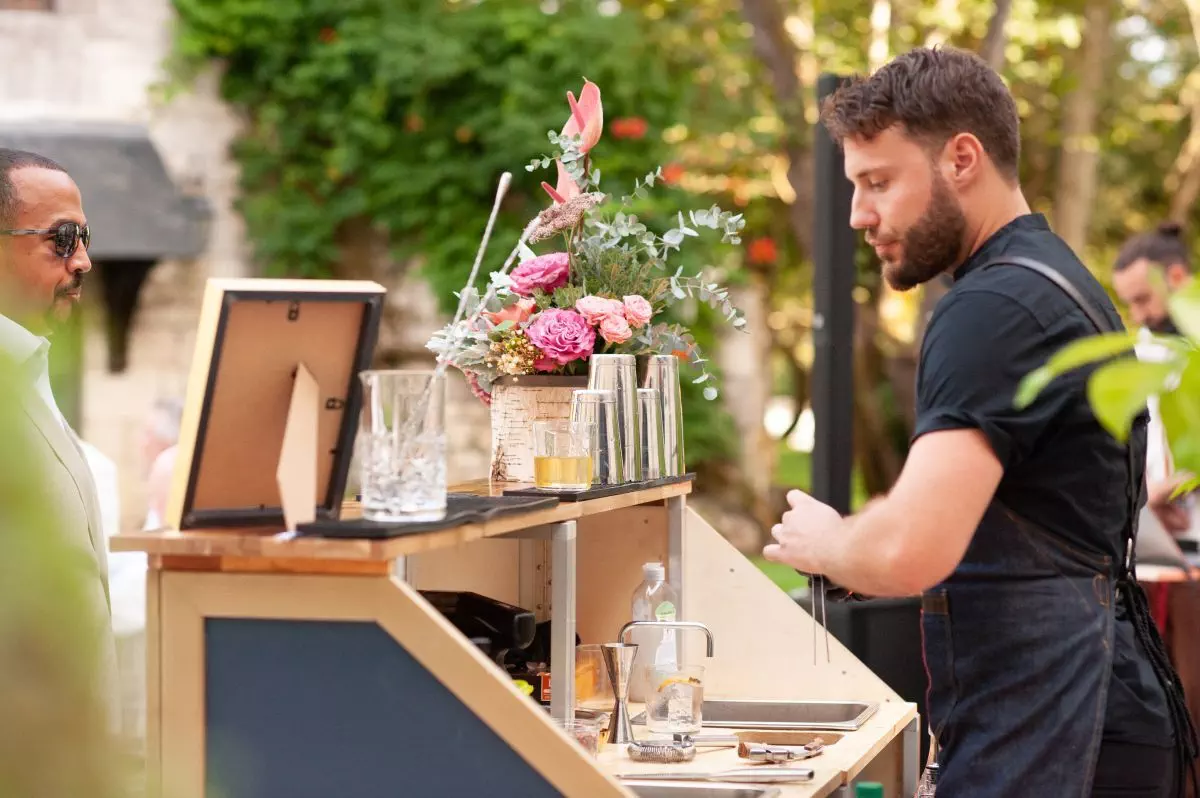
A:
516, 403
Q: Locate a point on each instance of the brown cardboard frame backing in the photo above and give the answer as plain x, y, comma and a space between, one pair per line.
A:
253, 334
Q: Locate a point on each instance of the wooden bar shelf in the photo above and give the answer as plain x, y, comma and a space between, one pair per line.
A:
297, 666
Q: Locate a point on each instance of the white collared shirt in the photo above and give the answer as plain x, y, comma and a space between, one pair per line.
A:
32, 352
1159, 463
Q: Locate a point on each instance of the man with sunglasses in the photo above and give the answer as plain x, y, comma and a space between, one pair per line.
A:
43, 260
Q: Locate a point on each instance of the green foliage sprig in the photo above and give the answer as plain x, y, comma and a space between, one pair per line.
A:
1120, 384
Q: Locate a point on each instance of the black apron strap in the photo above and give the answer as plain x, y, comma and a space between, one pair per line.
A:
1127, 585
1133, 485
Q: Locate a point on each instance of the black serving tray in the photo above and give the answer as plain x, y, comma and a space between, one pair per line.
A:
461, 508
600, 491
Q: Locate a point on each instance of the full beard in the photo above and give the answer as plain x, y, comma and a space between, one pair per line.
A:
1164, 326
933, 244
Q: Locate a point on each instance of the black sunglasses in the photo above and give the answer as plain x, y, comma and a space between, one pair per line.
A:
67, 237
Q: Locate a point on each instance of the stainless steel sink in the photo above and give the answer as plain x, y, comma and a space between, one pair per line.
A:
834, 715
655, 789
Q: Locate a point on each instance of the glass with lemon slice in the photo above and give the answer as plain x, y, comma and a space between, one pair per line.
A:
675, 704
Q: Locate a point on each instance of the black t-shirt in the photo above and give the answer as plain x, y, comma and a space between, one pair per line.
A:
1062, 470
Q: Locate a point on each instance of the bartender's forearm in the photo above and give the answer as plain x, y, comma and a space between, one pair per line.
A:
874, 554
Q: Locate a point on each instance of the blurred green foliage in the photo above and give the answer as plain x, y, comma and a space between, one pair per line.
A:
404, 113
1120, 384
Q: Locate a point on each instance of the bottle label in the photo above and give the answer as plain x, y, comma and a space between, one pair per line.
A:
665, 611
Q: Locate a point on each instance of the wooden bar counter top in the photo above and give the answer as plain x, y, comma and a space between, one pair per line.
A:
280, 665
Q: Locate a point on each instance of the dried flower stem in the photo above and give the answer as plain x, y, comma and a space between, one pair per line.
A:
406, 434
501, 191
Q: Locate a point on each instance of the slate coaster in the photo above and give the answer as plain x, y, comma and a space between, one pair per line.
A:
600, 491
461, 508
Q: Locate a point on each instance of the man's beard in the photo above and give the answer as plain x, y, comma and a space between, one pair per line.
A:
51, 317
1163, 326
932, 244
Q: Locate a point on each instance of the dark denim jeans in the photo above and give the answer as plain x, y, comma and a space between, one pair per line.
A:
1136, 771
1019, 652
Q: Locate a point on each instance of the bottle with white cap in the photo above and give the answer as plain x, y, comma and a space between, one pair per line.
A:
654, 600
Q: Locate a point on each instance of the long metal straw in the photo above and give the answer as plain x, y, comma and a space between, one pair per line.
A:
410, 424
824, 621
816, 583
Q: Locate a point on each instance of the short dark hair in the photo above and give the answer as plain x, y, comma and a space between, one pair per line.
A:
1164, 245
934, 93
11, 161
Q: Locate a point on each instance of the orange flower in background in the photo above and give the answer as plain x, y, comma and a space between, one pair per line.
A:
328, 35
518, 312
762, 251
628, 127
566, 190
672, 173
587, 116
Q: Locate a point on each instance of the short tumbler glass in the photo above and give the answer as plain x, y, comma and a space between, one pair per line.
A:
402, 446
562, 454
675, 699
593, 690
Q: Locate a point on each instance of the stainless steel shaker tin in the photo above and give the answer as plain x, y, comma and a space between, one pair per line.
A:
650, 419
662, 372
599, 407
618, 373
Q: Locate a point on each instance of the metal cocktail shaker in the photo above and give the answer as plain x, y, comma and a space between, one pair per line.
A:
618, 373
662, 372
650, 418
600, 408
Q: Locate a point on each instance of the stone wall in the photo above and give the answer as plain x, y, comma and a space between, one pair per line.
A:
99, 60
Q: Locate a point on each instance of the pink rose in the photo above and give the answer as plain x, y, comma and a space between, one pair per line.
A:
637, 311
562, 335
597, 308
615, 329
518, 312
546, 272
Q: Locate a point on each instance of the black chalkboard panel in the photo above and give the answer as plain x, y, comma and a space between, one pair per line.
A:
330, 709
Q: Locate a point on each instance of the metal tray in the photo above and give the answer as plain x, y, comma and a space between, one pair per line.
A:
832, 715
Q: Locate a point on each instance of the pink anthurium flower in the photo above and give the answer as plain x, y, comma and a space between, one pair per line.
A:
566, 190
587, 116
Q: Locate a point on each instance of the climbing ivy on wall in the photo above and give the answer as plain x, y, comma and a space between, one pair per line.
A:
402, 114
405, 113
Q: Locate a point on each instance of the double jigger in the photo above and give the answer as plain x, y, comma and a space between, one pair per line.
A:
618, 660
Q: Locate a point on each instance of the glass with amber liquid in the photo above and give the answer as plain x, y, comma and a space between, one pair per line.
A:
562, 454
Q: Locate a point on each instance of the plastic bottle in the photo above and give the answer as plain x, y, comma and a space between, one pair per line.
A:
868, 789
654, 600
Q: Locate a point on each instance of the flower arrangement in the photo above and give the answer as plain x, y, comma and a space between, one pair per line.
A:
602, 290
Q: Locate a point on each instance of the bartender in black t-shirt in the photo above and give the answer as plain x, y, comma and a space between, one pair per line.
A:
1012, 524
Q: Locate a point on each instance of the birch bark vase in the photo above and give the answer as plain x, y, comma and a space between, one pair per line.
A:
516, 403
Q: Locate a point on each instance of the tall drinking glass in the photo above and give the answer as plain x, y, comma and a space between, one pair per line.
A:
402, 446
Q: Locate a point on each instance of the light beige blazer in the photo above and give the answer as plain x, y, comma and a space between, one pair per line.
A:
65, 469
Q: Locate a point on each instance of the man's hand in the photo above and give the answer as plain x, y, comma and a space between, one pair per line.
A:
1174, 517
803, 533
907, 541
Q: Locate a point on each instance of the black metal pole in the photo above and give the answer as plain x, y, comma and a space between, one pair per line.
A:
832, 383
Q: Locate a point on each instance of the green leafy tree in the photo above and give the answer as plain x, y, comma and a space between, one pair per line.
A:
392, 120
